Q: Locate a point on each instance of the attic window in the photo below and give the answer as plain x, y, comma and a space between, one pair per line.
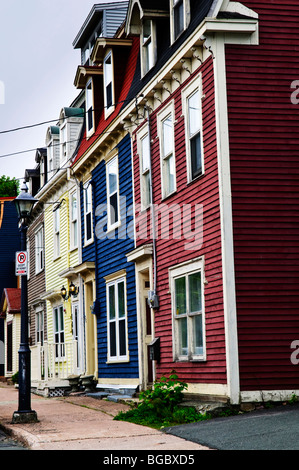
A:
148, 46
180, 17
108, 82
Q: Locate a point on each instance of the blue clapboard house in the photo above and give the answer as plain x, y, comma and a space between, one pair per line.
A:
9, 244
110, 190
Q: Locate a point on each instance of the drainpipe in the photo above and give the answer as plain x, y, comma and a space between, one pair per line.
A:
153, 297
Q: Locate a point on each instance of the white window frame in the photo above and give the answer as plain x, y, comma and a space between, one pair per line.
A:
74, 221
56, 230
148, 46
185, 270
145, 168
166, 154
111, 225
89, 100
174, 4
109, 108
39, 250
117, 357
187, 93
59, 333
87, 196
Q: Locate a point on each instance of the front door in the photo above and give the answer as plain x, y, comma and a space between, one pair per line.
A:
78, 336
147, 331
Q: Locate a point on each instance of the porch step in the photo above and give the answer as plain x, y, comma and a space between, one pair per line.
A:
114, 393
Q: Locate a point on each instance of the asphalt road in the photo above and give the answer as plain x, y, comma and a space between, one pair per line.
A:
266, 429
9, 444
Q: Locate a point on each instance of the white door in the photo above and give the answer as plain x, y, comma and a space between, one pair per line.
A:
78, 336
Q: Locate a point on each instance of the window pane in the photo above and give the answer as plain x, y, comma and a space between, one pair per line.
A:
121, 299
195, 292
145, 153
111, 302
194, 113
198, 336
167, 132
112, 339
113, 209
112, 176
146, 30
169, 174
178, 17
196, 156
183, 336
88, 226
122, 338
180, 295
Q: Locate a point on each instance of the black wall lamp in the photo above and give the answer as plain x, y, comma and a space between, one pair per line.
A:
73, 291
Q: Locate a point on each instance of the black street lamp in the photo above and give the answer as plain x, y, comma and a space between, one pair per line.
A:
24, 204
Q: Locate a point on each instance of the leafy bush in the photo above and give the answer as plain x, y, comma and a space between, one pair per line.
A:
158, 406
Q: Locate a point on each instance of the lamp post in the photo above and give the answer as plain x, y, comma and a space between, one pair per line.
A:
24, 204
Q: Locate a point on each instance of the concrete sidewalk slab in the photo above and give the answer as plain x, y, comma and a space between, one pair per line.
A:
82, 423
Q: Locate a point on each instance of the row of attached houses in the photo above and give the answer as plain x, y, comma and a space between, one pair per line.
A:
165, 236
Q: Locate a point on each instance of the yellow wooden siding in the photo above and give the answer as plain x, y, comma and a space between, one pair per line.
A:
54, 266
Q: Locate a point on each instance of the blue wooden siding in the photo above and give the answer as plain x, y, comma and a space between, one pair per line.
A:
110, 257
9, 243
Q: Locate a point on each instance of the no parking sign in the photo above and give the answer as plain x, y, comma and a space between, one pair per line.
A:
21, 263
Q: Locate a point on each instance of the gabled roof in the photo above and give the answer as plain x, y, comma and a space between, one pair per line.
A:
12, 298
94, 18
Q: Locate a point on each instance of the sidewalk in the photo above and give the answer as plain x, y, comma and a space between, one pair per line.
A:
82, 423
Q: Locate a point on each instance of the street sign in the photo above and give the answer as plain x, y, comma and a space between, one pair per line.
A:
21, 263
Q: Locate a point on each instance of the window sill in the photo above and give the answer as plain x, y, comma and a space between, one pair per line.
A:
169, 195
89, 242
195, 179
117, 361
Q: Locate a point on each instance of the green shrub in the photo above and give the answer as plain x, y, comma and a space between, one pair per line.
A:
15, 378
158, 406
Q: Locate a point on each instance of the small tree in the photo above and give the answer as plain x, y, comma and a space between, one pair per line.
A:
9, 187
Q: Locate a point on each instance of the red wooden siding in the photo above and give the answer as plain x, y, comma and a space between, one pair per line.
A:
263, 130
171, 252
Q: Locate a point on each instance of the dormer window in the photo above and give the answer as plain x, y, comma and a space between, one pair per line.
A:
180, 17
89, 108
108, 83
63, 141
148, 46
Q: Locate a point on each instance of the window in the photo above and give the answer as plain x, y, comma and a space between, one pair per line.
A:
192, 96
148, 55
166, 134
89, 108
112, 192
56, 233
88, 212
74, 220
180, 17
145, 164
108, 83
187, 306
39, 250
59, 332
117, 320
39, 326
63, 143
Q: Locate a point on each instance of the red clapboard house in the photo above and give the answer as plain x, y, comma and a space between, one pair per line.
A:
215, 162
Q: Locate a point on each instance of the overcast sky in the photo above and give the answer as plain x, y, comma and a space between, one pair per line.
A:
37, 70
